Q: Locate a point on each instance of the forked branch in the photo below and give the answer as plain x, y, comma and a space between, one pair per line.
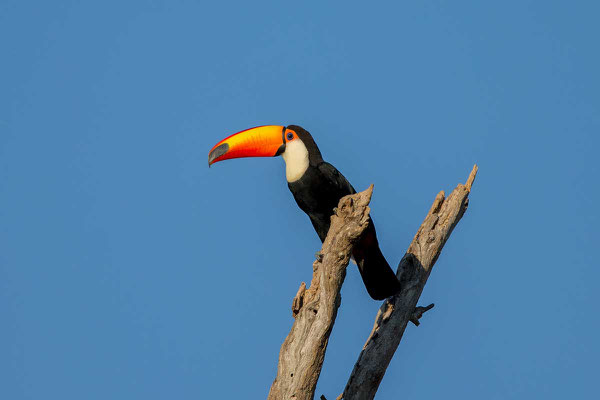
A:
315, 309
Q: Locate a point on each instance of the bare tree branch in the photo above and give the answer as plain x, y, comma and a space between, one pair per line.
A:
413, 271
315, 309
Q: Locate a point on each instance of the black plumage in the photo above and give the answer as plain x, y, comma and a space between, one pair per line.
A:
317, 193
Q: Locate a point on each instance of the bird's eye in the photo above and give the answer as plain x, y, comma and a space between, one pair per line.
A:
290, 135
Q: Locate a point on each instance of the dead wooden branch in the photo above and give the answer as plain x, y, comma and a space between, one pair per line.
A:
413, 271
315, 309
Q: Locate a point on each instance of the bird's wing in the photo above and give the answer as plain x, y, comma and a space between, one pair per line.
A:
344, 187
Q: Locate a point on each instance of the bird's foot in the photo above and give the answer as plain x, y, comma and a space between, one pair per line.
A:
319, 256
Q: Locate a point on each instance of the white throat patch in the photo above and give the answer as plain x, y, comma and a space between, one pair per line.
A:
296, 160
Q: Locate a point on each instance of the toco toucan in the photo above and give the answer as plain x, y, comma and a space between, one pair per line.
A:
317, 187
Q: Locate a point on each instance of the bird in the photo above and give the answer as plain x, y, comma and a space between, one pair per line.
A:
317, 187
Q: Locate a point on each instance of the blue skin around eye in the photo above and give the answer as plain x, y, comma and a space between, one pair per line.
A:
290, 136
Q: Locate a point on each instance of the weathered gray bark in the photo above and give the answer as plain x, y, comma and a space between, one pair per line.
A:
315, 309
413, 271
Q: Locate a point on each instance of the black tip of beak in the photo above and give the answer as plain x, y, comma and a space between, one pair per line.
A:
217, 152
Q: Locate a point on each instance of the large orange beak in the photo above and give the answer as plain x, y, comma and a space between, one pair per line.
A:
262, 141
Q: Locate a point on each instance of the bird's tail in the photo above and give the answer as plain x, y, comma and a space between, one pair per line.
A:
379, 279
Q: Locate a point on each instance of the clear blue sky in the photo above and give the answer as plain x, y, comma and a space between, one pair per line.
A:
130, 270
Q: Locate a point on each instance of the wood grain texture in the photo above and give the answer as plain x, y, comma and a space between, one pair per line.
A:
413, 271
315, 309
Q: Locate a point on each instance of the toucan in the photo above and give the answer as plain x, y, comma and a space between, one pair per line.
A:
317, 187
